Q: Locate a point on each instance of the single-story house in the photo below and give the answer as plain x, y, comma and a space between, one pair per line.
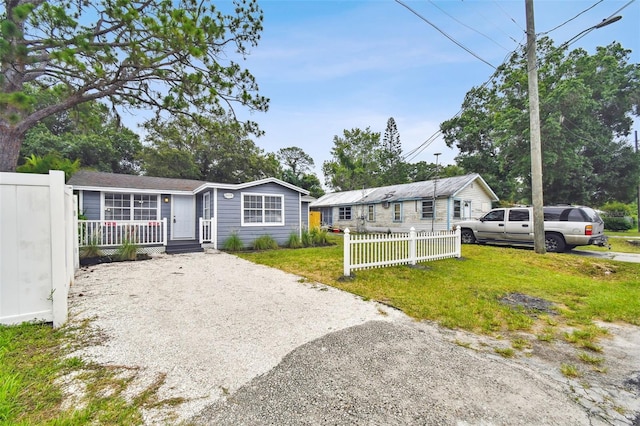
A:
180, 215
432, 205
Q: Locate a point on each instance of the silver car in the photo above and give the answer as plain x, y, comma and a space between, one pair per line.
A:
565, 227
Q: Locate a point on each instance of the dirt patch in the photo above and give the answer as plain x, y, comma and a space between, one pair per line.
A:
529, 304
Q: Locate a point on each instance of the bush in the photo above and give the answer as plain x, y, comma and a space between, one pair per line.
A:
233, 243
265, 242
128, 250
91, 250
294, 240
319, 237
617, 223
306, 238
617, 209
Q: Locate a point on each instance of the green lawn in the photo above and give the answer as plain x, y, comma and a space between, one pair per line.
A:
457, 293
464, 293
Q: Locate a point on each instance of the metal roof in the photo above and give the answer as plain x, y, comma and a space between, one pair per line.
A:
445, 187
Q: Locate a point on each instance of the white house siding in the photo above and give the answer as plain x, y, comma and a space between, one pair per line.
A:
479, 200
230, 214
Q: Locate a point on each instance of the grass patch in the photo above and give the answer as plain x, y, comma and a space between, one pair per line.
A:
505, 352
465, 294
570, 370
35, 370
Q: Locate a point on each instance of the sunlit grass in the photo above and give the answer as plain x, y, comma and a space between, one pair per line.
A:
464, 293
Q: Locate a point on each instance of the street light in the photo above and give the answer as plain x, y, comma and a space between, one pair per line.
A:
435, 183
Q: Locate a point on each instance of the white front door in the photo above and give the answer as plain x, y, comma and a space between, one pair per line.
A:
183, 223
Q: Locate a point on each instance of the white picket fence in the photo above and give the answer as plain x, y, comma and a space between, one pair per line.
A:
364, 251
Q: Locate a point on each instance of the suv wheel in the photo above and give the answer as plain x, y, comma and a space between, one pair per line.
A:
554, 243
467, 237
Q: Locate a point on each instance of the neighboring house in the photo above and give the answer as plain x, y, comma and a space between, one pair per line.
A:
430, 205
180, 215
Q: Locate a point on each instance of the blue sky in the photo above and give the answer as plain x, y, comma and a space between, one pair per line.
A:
330, 65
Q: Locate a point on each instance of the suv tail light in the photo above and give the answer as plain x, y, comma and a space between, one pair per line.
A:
588, 230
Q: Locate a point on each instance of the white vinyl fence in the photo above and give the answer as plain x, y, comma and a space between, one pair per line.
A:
363, 251
38, 247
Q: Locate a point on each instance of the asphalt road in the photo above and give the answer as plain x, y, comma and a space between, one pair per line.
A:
387, 373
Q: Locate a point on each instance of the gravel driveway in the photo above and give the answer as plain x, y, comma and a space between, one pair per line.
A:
248, 344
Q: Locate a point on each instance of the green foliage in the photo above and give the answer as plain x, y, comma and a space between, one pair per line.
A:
150, 54
233, 243
92, 249
319, 237
128, 250
52, 161
296, 166
587, 102
211, 148
357, 161
617, 223
265, 242
618, 209
294, 240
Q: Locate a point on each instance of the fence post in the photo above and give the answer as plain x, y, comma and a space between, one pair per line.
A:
412, 245
347, 253
458, 243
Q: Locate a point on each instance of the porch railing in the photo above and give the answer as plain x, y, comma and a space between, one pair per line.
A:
207, 231
378, 250
113, 233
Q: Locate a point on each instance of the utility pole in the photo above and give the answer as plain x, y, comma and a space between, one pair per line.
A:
435, 183
636, 133
534, 133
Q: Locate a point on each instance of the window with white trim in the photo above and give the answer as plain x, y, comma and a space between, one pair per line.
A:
130, 206
344, 213
427, 209
371, 217
457, 209
397, 212
262, 209
206, 205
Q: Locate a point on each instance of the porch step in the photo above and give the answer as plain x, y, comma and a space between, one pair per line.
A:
191, 246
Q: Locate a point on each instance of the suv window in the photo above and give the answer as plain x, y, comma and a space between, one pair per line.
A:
494, 216
519, 215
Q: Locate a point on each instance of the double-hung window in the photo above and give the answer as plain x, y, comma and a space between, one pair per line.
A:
397, 212
457, 209
206, 205
262, 210
344, 213
371, 216
130, 206
427, 209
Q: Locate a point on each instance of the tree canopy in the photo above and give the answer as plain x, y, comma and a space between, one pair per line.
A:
88, 132
586, 108
360, 159
214, 149
296, 165
165, 55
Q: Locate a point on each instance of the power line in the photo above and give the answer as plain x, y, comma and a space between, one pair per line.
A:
469, 27
571, 19
588, 30
444, 33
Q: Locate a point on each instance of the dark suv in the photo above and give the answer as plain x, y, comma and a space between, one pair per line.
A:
565, 227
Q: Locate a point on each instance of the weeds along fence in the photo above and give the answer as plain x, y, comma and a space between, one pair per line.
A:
364, 251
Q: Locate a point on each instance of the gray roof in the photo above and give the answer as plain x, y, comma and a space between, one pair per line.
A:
445, 187
85, 178
89, 180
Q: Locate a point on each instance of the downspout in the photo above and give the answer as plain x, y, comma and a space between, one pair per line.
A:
448, 213
215, 218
